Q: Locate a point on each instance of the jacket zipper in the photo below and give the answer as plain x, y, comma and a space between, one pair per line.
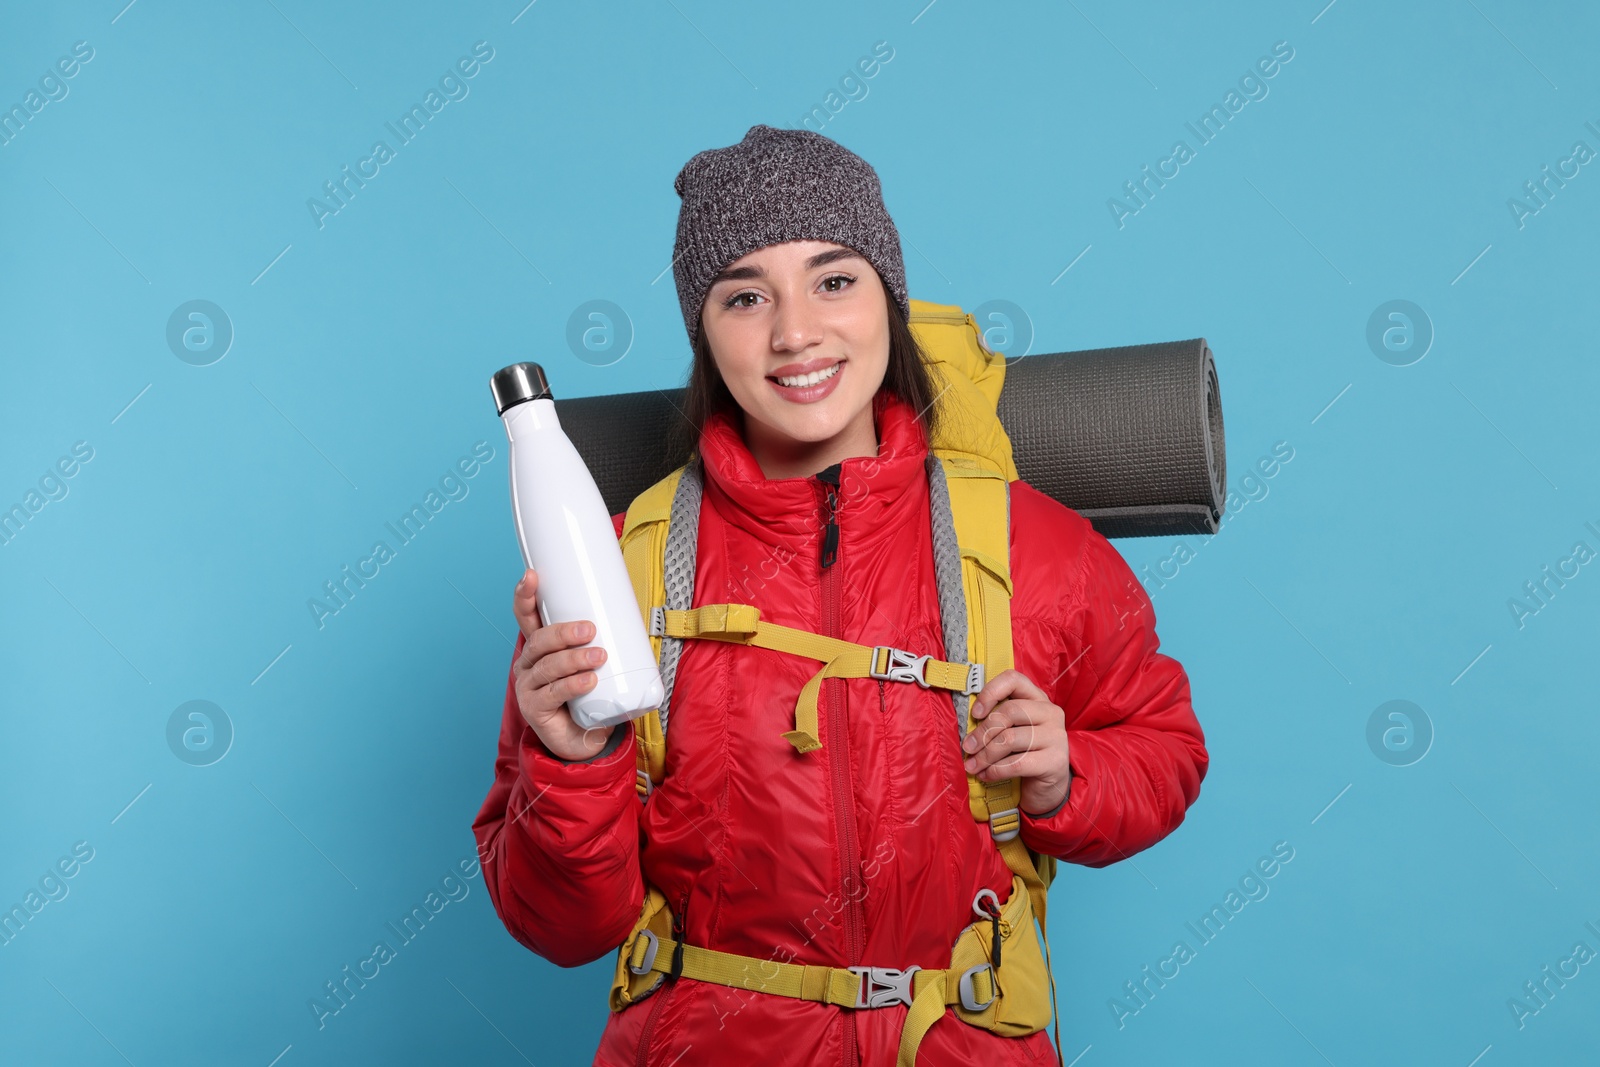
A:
650, 1023
661, 995
839, 752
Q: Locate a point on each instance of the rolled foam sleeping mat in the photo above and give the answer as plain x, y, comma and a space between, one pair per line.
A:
1131, 437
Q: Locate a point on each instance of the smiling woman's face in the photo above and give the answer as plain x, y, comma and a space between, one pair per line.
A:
799, 332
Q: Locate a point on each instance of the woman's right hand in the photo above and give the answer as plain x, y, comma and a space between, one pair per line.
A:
551, 670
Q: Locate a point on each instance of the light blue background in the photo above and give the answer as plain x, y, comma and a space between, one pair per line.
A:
1377, 566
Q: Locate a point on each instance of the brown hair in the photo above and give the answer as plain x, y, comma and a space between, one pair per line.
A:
907, 377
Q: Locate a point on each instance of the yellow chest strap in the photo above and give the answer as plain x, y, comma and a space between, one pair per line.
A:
742, 624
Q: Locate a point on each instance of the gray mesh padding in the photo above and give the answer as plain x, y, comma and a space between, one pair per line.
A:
947, 569
683, 530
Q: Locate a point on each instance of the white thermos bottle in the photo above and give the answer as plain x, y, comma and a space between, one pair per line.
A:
568, 540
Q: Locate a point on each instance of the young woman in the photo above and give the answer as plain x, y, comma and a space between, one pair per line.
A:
811, 410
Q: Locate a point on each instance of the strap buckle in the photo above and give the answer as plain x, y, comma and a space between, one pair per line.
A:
898, 665
658, 621
882, 986
649, 954
1004, 825
974, 679
642, 783
968, 998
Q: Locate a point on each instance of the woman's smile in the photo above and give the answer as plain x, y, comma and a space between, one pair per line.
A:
801, 387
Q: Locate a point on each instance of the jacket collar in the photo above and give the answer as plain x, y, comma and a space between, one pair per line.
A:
876, 494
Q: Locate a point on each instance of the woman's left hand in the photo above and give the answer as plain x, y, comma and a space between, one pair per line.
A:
1016, 732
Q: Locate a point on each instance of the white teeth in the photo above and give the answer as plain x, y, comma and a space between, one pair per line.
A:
810, 379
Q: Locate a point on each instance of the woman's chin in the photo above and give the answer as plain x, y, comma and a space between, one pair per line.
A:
820, 422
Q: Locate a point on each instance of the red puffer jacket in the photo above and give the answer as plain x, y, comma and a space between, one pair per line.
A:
863, 851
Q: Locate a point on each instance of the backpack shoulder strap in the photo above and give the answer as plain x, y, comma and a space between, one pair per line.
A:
971, 505
975, 503
659, 537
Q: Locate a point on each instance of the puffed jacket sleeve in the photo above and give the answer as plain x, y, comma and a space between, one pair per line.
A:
559, 840
1135, 748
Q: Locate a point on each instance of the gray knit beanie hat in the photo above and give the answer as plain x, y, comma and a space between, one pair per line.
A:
778, 185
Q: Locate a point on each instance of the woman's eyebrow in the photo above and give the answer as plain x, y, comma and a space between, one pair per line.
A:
821, 258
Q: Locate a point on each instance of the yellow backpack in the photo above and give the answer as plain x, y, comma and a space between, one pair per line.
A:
969, 469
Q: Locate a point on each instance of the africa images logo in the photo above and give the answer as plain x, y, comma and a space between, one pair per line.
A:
452, 86
1207, 128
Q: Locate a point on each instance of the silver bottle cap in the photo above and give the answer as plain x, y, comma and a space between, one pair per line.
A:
517, 384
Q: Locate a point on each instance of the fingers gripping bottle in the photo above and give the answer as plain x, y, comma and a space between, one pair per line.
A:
568, 540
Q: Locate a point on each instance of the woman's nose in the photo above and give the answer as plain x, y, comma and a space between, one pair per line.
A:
795, 325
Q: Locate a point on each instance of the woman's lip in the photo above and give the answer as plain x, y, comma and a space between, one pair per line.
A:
794, 370
810, 394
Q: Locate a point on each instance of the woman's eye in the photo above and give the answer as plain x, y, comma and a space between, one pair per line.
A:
837, 278
733, 301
